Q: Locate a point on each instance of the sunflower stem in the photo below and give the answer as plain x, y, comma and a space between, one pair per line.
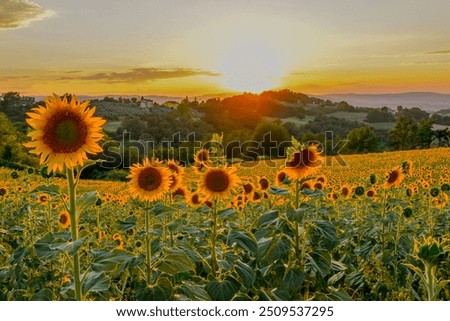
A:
74, 230
148, 245
297, 236
213, 240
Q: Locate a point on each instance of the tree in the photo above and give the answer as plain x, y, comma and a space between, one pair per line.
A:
271, 135
362, 140
425, 133
443, 136
403, 135
379, 116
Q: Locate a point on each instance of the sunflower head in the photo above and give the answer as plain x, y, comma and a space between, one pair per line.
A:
303, 163
180, 192
264, 183
3, 191
394, 177
218, 182
195, 200
202, 156
248, 188
64, 132
64, 219
175, 167
149, 180
43, 199
280, 178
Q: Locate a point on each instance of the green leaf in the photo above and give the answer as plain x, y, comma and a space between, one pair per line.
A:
194, 291
246, 273
43, 295
105, 261
293, 280
296, 215
162, 290
228, 212
127, 224
275, 190
243, 239
87, 200
175, 261
267, 218
71, 247
320, 262
223, 290
52, 190
96, 282
275, 248
43, 250
313, 193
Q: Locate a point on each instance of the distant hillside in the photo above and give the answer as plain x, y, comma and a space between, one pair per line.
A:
427, 101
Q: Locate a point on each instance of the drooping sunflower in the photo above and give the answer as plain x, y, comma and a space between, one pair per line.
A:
303, 163
218, 182
64, 219
394, 177
149, 180
64, 132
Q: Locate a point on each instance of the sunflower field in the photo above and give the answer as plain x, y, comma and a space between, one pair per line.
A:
308, 227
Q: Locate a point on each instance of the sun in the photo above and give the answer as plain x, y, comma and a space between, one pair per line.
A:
251, 66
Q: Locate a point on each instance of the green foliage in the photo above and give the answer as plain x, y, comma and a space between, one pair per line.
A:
362, 140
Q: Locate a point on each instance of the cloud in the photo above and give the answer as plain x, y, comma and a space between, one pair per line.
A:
148, 74
19, 13
442, 52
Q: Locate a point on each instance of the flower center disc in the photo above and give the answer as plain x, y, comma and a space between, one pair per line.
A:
150, 179
217, 181
301, 159
66, 132
392, 177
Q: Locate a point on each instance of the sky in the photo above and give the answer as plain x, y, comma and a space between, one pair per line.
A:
208, 47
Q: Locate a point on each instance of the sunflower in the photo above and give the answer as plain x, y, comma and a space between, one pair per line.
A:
263, 183
248, 188
64, 133
3, 191
194, 200
394, 177
43, 199
175, 167
218, 182
370, 193
202, 156
180, 191
280, 178
64, 219
175, 181
150, 180
308, 185
304, 163
322, 179
346, 191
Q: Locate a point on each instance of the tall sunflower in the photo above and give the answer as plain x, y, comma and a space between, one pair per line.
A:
218, 182
394, 177
149, 180
303, 163
64, 132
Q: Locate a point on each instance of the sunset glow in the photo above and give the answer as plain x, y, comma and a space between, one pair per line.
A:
195, 48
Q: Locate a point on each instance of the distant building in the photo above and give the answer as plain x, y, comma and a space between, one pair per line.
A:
146, 103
